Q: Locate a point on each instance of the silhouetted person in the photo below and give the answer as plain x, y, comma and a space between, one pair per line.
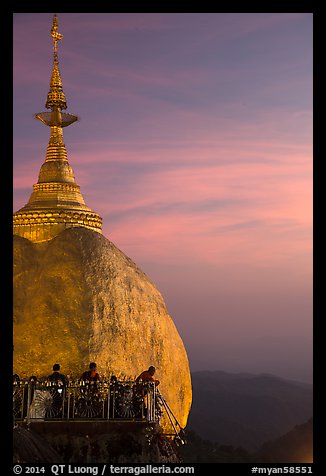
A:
147, 376
91, 375
57, 376
141, 389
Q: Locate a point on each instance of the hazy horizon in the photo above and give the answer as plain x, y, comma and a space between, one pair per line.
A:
256, 374
195, 147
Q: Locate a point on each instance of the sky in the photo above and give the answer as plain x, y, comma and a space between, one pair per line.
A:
195, 146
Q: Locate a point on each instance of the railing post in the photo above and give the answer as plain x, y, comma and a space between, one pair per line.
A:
68, 403
154, 403
142, 406
73, 403
103, 401
148, 404
20, 387
28, 403
113, 404
109, 400
63, 401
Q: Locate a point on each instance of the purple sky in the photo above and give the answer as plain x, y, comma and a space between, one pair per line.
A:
195, 146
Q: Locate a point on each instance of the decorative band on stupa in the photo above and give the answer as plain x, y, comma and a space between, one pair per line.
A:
56, 202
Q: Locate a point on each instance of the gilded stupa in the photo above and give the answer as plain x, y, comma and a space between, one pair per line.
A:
56, 202
77, 297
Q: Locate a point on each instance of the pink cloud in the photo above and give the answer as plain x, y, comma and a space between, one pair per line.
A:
253, 224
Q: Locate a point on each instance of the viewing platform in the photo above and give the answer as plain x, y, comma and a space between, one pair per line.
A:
102, 400
106, 420
37, 401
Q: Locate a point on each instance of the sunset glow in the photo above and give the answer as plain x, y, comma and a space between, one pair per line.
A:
195, 147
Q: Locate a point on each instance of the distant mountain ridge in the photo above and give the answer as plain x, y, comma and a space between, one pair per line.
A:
294, 446
246, 375
246, 409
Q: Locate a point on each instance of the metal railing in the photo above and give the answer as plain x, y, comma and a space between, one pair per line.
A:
82, 400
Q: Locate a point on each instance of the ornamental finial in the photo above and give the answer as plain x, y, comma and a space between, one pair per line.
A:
56, 99
56, 36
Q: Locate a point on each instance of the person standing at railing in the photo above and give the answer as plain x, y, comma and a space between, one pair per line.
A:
146, 376
58, 392
57, 377
91, 375
142, 388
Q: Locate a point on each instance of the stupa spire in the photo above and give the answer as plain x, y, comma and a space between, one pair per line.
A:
56, 202
56, 96
56, 101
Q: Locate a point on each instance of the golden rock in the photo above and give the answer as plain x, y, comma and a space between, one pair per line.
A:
77, 299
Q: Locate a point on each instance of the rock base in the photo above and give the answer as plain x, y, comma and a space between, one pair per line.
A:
94, 442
